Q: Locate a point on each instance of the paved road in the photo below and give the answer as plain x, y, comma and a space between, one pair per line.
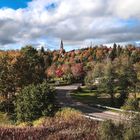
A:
63, 96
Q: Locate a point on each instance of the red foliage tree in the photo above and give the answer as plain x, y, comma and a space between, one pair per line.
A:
50, 72
66, 69
90, 58
71, 60
99, 54
77, 70
59, 73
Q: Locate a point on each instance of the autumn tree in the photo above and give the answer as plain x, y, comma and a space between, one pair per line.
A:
137, 84
108, 81
127, 77
113, 52
29, 67
77, 70
119, 50
7, 77
59, 73
66, 69
135, 56
7, 83
99, 54
47, 60
50, 72
94, 76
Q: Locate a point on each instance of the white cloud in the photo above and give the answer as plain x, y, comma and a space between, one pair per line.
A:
125, 8
75, 21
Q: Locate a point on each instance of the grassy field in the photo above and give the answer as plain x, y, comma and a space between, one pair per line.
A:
90, 97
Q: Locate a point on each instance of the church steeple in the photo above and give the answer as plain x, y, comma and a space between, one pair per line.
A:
62, 50
61, 45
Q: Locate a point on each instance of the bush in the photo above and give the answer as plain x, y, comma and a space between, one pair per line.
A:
79, 89
68, 124
132, 129
25, 133
68, 78
68, 114
7, 105
110, 131
131, 104
129, 130
34, 101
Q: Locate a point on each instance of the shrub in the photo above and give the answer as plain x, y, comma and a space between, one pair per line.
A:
68, 78
79, 89
34, 101
68, 114
129, 130
68, 124
132, 128
110, 131
131, 104
7, 105
25, 133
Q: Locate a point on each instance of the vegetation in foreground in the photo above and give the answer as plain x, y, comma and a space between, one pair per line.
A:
66, 124
70, 124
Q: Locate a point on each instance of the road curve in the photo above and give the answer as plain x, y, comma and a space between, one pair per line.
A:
65, 100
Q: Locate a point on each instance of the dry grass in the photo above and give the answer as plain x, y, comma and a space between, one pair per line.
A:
71, 125
4, 119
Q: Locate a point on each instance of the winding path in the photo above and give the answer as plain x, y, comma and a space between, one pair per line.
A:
65, 100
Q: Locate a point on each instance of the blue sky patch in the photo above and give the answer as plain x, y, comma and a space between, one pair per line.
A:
129, 22
14, 4
51, 6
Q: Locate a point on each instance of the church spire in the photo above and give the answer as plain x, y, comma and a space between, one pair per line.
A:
61, 45
62, 50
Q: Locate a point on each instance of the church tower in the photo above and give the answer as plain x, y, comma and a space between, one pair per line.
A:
61, 45
62, 50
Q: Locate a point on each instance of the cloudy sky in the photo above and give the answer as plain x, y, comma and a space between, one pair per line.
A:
76, 22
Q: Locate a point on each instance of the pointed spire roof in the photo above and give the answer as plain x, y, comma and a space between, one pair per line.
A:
61, 45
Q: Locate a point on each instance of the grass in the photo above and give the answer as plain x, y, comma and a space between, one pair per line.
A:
90, 97
70, 124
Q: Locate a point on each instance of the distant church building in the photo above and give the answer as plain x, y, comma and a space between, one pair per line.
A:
62, 50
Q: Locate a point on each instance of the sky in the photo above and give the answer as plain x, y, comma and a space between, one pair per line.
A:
76, 22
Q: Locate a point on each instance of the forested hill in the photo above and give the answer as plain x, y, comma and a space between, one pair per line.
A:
84, 55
